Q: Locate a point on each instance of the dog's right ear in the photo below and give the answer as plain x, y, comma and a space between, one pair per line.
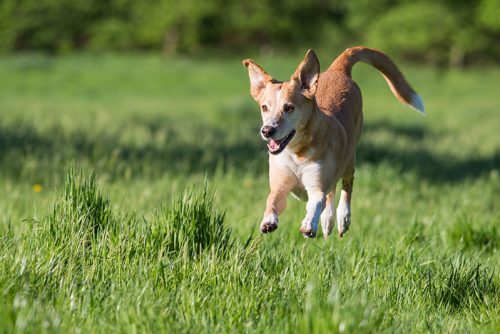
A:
258, 78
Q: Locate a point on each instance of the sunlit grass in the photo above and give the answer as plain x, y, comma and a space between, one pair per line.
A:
162, 236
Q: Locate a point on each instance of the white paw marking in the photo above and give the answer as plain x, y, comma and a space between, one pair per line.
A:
343, 217
307, 229
269, 223
309, 226
327, 221
314, 207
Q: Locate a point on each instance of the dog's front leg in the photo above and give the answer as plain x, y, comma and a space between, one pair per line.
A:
281, 182
314, 208
276, 202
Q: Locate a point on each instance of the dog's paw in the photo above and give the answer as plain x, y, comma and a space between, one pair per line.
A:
327, 222
343, 219
307, 228
307, 232
269, 223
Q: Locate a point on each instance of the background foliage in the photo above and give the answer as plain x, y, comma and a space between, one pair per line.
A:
454, 32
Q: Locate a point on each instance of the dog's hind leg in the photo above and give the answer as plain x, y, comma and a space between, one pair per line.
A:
344, 207
327, 219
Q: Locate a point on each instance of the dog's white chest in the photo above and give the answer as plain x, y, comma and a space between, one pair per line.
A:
290, 162
302, 168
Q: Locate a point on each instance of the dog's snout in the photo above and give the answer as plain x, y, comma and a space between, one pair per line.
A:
268, 131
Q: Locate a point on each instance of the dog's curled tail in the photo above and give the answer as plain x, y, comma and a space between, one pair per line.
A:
397, 82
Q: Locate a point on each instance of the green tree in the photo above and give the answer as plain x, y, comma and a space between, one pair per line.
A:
489, 14
445, 32
436, 32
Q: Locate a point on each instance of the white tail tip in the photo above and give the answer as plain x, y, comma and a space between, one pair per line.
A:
417, 103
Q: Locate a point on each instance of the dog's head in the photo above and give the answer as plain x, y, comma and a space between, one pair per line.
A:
285, 106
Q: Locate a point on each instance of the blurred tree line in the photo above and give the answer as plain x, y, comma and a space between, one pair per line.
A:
454, 32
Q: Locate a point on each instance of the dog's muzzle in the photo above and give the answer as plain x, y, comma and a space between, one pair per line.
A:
276, 146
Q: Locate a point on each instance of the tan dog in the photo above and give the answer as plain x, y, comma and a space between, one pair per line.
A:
312, 124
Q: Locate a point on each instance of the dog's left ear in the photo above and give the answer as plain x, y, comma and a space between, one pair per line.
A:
307, 74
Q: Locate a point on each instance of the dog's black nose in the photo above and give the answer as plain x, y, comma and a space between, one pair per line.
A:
268, 131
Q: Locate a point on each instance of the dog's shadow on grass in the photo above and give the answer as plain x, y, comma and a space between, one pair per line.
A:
25, 151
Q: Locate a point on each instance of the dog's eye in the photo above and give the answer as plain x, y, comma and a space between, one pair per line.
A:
288, 108
264, 108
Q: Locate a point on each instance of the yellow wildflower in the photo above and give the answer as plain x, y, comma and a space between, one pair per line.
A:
247, 182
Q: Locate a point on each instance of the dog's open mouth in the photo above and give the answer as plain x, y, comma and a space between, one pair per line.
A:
276, 146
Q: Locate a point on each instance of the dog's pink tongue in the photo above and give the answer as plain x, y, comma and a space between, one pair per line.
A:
273, 145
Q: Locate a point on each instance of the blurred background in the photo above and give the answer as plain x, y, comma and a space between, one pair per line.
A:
445, 33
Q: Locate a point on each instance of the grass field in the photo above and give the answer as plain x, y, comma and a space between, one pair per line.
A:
132, 188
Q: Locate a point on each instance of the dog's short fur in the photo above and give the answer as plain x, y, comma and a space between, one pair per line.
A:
312, 124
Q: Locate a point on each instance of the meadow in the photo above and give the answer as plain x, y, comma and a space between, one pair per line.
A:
132, 187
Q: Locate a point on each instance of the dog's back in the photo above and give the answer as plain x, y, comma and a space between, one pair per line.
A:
340, 96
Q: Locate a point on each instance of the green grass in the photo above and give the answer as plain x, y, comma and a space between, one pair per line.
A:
132, 188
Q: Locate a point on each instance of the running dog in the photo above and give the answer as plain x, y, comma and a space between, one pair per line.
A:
312, 124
